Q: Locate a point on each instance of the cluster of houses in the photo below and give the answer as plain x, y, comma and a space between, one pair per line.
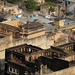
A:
35, 45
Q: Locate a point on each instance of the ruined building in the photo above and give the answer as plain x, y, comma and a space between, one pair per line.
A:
6, 30
27, 57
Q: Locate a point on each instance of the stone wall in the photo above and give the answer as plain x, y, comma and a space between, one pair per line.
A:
2, 60
4, 43
68, 71
69, 58
41, 41
7, 42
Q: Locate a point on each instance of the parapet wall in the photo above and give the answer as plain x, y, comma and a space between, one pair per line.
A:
41, 41
6, 42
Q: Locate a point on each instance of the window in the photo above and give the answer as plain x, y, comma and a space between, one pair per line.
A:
67, 48
29, 58
10, 69
24, 49
39, 54
33, 57
17, 71
42, 54
21, 49
48, 53
26, 73
55, 54
13, 70
61, 55
70, 47
68, 2
15, 50
29, 50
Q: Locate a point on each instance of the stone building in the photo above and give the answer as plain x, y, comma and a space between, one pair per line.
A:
68, 71
25, 56
50, 65
7, 30
32, 52
71, 6
32, 29
60, 9
69, 48
45, 9
9, 8
69, 57
13, 22
15, 56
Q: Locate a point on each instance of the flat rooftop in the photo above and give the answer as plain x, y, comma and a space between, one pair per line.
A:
47, 22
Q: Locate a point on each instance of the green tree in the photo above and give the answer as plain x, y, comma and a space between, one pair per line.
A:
52, 6
31, 4
52, 9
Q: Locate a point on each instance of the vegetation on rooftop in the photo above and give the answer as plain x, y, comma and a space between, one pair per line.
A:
31, 4
51, 4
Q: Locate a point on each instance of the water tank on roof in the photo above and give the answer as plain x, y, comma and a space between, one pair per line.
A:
16, 16
4, 15
31, 16
44, 14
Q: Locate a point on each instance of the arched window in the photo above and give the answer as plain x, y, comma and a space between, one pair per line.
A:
30, 58
29, 50
21, 49
46, 54
15, 50
24, 49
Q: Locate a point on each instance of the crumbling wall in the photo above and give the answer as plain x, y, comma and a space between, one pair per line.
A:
41, 41
6, 42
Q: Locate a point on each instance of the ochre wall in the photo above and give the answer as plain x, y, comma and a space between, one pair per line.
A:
41, 41
37, 34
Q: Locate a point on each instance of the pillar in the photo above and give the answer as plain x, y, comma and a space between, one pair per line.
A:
2, 62
41, 72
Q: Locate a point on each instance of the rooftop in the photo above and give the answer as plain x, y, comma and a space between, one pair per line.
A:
25, 45
15, 22
33, 26
48, 23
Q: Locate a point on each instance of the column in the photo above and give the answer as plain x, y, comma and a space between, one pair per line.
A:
2, 62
